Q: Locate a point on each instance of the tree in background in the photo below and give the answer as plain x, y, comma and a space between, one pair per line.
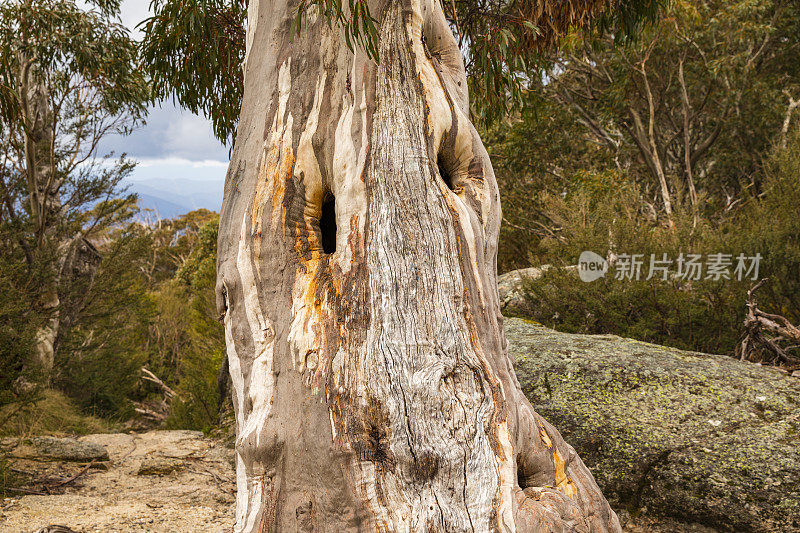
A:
102, 351
17, 322
691, 107
716, 81
67, 79
195, 51
185, 341
687, 112
201, 384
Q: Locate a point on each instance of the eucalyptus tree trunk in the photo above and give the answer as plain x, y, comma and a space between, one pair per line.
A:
357, 277
43, 198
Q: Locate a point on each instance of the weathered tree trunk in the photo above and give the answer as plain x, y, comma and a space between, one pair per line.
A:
358, 238
43, 199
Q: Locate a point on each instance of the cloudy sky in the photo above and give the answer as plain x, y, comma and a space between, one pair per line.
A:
174, 144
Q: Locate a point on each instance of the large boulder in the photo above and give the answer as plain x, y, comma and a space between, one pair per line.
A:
511, 287
68, 449
689, 437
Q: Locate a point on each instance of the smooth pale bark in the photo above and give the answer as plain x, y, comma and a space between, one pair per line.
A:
372, 386
73, 258
44, 201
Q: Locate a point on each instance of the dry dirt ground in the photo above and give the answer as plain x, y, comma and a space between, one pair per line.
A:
159, 481
175, 481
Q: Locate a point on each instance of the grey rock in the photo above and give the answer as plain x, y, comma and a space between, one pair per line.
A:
690, 437
511, 286
68, 449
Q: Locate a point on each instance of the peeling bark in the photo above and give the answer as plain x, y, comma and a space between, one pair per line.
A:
372, 385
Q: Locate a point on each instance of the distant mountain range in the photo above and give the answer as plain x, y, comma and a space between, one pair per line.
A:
173, 197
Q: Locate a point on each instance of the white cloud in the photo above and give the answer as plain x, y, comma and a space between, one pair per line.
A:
191, 136
133, 12
173, 139
167, 168
180, 161
170, 132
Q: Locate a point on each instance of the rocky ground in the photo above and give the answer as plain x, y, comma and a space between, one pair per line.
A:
176, 481
680, 442
159, 481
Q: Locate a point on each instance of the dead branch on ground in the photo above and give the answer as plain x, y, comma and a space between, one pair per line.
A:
768, 338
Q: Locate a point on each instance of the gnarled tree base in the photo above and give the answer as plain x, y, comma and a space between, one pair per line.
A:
372, 386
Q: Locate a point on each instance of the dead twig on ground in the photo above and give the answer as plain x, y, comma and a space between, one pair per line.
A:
73, 478
156, 416
26, 491
47, 488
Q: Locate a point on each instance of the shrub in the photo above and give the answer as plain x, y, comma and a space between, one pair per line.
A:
606, 214
100, 357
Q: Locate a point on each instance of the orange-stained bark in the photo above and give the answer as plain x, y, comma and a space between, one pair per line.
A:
372, 385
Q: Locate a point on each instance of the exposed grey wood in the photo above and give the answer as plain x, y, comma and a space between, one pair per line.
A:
372, 385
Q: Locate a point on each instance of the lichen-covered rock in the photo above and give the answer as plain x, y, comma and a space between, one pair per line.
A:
68, 449
687, 436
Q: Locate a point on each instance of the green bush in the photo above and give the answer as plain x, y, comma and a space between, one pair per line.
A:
197, 406
100, 358
769, 223
18, 322
188, 345
605, 213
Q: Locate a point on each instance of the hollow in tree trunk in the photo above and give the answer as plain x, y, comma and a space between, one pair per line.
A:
357, 276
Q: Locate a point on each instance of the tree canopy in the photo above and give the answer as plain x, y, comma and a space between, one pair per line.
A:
67, 80
194, 50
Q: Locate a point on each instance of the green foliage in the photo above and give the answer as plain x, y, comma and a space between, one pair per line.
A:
197, 406
17, 327
151, 304
534, 157
194, 53
186, 344
355, 21
69, 77
768, 223
199, 270
194, 50
591, 116
696, 100
201, 362
103, 351
507, 43
577, 171
172, 242
704, 315
603, 216
71, 45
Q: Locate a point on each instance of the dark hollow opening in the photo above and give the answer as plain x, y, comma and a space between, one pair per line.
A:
443, 173
327, 225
